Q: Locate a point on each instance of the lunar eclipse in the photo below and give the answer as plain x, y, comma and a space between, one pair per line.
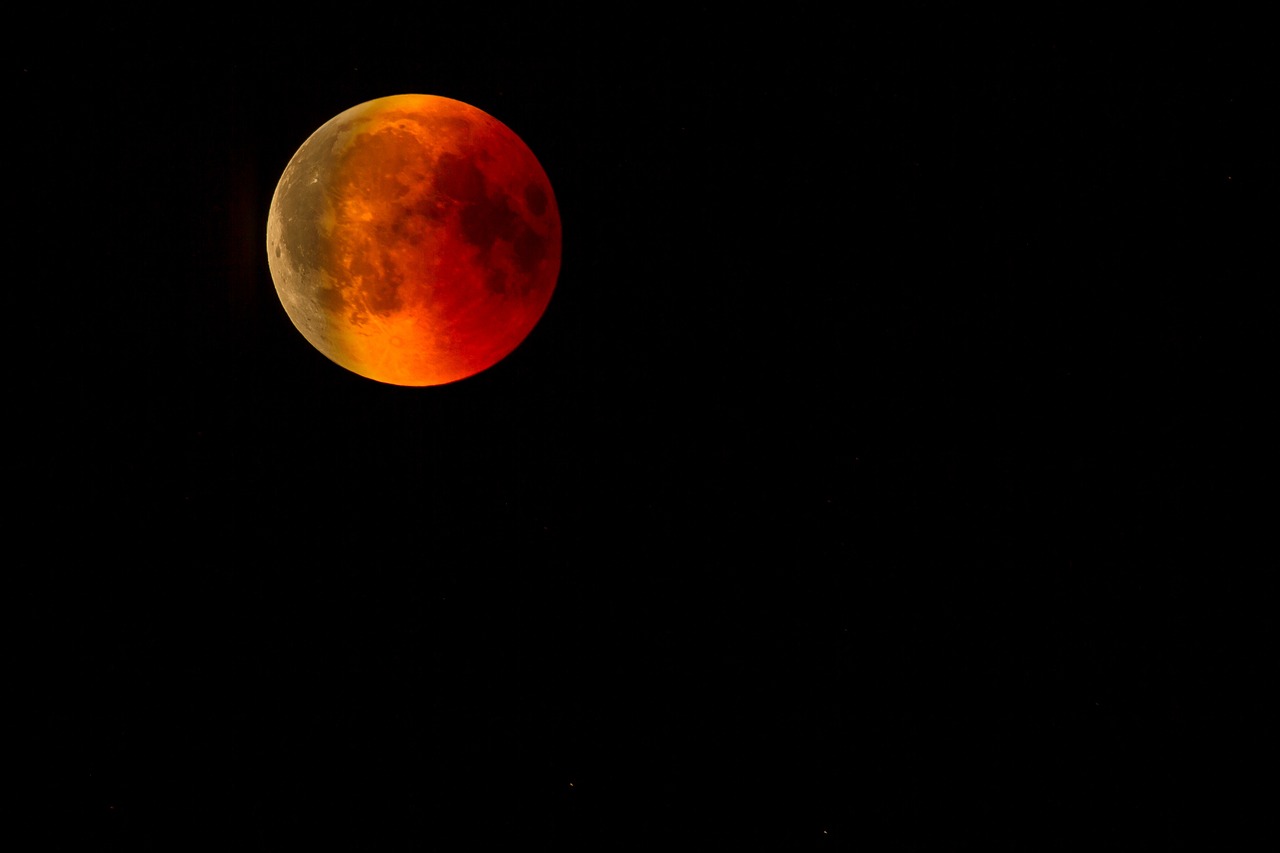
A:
414, 240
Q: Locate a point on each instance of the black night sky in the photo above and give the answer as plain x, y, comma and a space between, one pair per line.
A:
877, 479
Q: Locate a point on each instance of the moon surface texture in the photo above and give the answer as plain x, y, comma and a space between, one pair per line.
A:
414, 240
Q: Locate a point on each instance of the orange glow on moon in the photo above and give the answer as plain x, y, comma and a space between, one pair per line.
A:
414, 240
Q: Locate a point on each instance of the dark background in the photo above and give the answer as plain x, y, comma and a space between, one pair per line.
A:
877, 479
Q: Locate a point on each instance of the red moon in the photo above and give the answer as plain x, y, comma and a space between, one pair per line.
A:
414, 240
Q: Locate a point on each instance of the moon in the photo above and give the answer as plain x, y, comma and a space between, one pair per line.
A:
414, 240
